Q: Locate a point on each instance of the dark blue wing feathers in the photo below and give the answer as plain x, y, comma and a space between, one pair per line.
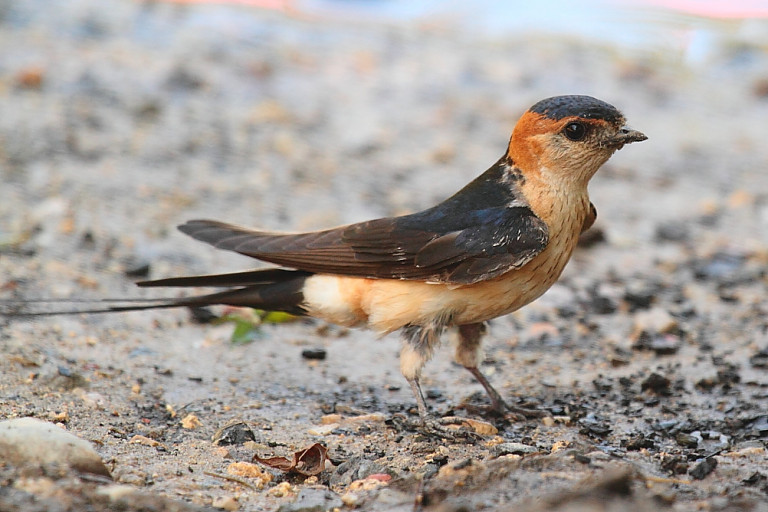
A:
483, 231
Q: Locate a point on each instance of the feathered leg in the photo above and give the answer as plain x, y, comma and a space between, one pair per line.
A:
419, 342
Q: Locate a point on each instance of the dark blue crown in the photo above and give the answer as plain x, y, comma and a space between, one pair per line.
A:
559, 107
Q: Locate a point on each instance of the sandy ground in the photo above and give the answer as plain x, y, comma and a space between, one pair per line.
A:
122, 119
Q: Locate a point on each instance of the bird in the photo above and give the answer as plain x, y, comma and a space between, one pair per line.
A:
493, 247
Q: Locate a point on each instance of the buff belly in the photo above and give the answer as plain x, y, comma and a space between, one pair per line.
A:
386, 305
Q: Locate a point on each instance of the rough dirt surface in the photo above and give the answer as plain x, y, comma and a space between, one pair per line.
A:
122, 119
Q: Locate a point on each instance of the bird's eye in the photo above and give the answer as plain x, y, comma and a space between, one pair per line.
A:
575, 131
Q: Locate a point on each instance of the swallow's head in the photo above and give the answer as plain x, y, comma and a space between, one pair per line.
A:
569, 136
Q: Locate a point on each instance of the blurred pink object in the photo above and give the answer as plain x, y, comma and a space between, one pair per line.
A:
715, 8
279, 5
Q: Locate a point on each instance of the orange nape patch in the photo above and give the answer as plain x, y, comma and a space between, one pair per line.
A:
524, 146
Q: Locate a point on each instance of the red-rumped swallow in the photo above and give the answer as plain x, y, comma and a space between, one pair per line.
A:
493, 247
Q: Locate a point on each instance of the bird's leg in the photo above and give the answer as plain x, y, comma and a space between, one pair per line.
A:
497, 403
420, 403
469, 353
418, 344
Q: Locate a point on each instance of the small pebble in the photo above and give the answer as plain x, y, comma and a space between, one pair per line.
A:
225, 503
657, 384
687, 440
191, 421
672, 232
31, 442
704, 468
282, 489
318, 354
313, 500
657, 320
116, 492
513, 449
139, 439
235, 433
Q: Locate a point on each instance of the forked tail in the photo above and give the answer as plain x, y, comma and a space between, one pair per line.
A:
270, 290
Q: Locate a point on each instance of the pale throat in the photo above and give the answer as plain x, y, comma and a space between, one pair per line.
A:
562, 204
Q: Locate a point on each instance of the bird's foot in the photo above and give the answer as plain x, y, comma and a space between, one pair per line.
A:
524, 413
449, 428
442, 429
500, 409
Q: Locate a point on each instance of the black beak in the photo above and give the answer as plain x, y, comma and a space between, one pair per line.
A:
626, 136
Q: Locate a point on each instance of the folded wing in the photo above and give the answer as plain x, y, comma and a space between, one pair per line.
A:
428, 246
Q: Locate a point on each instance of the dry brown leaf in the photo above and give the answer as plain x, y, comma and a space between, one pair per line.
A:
307, 462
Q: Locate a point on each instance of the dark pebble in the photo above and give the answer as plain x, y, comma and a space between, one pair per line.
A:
558, 410
640, 296
759, 425
661, 344
428, 471
710, 220
656, 383
358, 468
760, 359
602, 384
625, 382
313, 500
639, 442
672, 232
667, 424
314, 353
592, 425
88, 240
754, 479
147, 111
602, 305
617, 361
512, 449
202, 315
728, 376
675, 465
137, 269
687, 440
720, 266
568, 311
703, 468
66, 379
182, 79
725, 378
440, 460
583, 459
234, 433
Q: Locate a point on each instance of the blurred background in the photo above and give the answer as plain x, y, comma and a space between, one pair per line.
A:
122, 118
